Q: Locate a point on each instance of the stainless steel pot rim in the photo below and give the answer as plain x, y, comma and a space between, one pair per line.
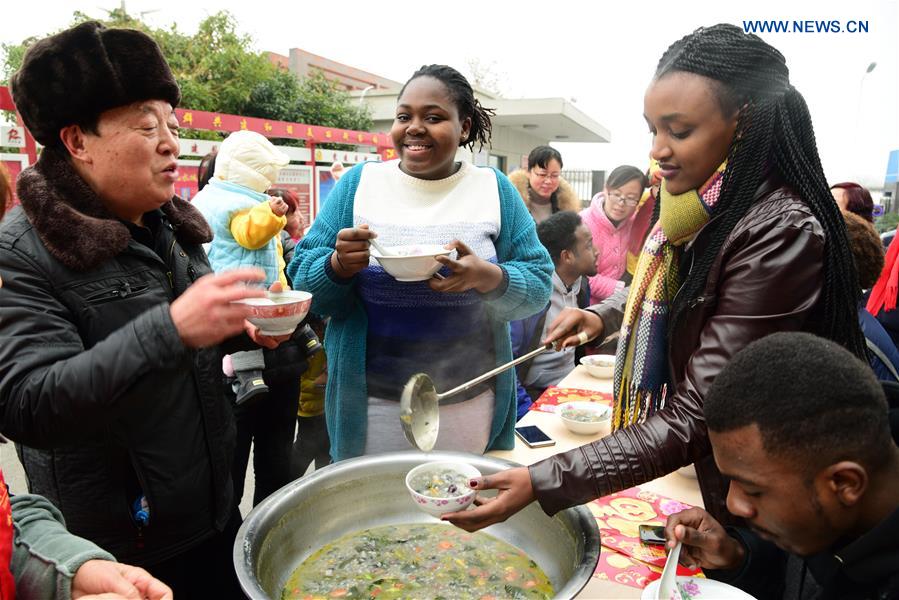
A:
249, 541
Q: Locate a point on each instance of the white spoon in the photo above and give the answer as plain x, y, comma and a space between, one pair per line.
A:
381, 249
668, 582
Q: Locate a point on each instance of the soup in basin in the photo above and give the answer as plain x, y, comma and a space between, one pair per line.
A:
427, 561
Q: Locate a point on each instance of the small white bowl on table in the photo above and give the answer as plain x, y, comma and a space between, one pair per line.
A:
437, 506
600, 412
413, 262
601, 366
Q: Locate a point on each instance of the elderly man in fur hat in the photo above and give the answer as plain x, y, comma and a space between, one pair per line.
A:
110, 369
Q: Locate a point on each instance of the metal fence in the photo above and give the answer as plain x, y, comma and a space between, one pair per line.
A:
585, 183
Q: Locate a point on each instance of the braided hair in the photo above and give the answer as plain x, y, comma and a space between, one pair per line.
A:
463, 97
773, 135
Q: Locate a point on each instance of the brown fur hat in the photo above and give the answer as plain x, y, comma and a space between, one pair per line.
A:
73, 76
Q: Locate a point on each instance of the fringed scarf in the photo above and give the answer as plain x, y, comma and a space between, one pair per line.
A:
641, 365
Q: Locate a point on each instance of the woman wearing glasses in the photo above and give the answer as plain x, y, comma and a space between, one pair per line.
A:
541, 187
610, 218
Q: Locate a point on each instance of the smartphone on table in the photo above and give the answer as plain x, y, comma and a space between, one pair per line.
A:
652, 535
533, 436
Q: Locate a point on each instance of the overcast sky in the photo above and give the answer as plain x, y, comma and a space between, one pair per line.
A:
602, 55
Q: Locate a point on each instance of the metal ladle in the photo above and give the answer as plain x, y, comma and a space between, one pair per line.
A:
420, 402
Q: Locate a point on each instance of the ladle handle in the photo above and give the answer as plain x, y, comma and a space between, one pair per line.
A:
494, 372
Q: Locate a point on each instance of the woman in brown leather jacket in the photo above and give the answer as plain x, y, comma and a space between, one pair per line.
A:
748, 242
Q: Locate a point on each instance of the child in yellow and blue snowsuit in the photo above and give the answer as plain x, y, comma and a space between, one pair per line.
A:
246, 224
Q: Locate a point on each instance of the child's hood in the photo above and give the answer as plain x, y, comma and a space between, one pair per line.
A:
249, 159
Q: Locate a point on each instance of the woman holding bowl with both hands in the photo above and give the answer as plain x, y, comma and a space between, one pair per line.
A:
383, 331
749, 241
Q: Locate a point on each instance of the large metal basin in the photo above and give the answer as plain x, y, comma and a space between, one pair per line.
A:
370, 491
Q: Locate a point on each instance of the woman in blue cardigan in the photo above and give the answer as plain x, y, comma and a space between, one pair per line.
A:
383, 331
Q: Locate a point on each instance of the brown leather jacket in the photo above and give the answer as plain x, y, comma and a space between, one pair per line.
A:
767, 277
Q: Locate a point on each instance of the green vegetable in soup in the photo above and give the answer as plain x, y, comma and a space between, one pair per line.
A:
425, 561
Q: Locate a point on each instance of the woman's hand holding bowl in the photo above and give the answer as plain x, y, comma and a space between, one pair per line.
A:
469, 271
515, 492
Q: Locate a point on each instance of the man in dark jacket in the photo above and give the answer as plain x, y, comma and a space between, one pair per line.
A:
800, 427
110, 374
570, 246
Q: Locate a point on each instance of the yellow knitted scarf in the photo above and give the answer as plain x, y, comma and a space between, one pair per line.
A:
641, 366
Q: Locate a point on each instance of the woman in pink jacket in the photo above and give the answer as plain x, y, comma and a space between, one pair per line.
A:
611, 218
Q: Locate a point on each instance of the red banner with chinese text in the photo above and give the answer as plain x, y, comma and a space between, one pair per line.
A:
198, 119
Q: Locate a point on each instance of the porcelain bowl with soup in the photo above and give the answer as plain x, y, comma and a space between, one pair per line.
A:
278, 313
411, 263
584, 418
441, 487
599, 365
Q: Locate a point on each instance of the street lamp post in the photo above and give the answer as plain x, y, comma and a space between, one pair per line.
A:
362, 95
859, 154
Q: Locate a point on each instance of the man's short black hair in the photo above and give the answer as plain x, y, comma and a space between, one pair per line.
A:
556, 233
811, 399
541, 155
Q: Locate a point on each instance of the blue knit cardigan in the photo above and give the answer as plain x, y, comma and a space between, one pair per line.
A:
525, 261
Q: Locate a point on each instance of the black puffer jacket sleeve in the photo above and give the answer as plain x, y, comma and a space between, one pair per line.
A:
52, 389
